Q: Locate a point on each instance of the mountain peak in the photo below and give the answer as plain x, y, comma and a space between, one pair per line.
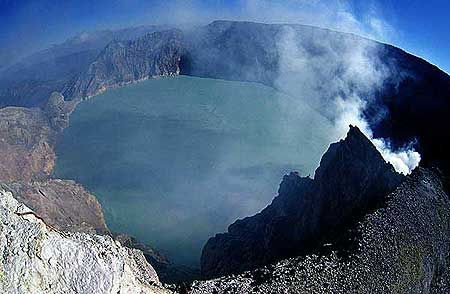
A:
355, 150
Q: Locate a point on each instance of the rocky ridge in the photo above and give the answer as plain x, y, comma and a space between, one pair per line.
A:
352, 179
57, 111
122, 62
31, 81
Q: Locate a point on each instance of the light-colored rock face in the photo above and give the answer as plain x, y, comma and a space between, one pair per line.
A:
38, 259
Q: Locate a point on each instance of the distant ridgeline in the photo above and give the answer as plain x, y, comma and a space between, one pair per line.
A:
412, 102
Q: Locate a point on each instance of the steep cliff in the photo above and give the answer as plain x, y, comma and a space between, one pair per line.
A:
122, 62
352, 179
37, 258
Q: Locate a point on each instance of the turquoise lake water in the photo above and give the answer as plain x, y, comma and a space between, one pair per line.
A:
174, 161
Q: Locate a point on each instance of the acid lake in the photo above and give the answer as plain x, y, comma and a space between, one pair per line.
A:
174, 161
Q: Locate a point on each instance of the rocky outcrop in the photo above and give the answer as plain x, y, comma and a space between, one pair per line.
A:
122, 62
57, 110
352, 180
27, 161
37, 258
62, 204
25, 148
402, 248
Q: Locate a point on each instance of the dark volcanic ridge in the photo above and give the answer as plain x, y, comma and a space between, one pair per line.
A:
402, 248
352, 180
394, 231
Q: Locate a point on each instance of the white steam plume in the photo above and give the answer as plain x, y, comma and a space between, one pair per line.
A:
403, 160
338, 75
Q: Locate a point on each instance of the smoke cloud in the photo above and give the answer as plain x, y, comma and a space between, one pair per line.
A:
338, 77
403, 160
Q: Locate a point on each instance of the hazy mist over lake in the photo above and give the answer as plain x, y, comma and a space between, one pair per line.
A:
175, 160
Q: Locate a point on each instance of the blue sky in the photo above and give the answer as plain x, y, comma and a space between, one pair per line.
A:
420, 27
